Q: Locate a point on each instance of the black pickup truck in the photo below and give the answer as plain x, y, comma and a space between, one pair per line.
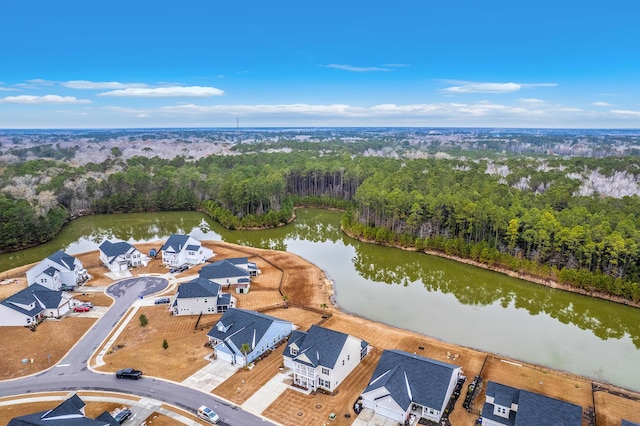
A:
128, 373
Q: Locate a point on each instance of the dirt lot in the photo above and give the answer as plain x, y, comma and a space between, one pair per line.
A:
306, 286
38, 346
141, 347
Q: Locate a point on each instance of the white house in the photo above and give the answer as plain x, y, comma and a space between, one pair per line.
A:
184, 250
505, 405
227, 274
33, 304
119, 256
58, 271
404, 384
322, 358
238, 327
243, 263
201, 296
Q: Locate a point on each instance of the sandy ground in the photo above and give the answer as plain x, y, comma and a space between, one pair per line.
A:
309, 299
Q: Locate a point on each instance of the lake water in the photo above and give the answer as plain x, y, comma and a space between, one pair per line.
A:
437, 297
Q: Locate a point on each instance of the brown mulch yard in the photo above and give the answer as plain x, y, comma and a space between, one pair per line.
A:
41, 346
141, 347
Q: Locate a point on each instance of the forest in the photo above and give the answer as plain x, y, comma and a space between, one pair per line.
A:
571, 219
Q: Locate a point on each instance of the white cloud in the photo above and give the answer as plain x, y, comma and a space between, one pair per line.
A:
531, 101
396, 65
483, 87
338, 109
46, 99
99, 85
352, 68
602, 104
625, 112
164, 92
7, 89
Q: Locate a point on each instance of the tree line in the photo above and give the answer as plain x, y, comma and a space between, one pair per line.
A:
520, 213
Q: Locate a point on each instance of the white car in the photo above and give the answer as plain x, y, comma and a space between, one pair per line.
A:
208, 414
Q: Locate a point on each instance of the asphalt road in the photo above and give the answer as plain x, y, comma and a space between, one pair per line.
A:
72, 373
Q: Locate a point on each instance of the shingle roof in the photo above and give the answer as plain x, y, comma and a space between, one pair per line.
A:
628, 423
222, 269
115, 249
51, 271
176, 243
67, 413
224, 299
49, 298
536, 409
63, 259
199, 287
238, 260
533, 408
26, 297
321, 346
243, 326
193, 247
412, 378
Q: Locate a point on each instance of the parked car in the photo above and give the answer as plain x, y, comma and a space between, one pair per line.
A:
128, 373
173, 270
208, 414
87, 304
81, 308
183, 268
162, 300
122, 415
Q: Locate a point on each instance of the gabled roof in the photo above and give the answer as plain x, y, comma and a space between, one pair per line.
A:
49, 298
115, 249
51, 271
533, 408
27, 297
628, 423
224, 299
108, 419
193, 247
242, 326
199, 287
63, 259
67, 413
410, 378
321, 346
222, 269
176, 243
238, 260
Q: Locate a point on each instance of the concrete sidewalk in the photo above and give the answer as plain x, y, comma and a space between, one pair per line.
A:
211, 375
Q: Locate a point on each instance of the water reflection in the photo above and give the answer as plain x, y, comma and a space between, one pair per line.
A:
434, 296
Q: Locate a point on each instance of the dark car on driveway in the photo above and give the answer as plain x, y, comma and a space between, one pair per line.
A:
129, 373
162, 300
122, 415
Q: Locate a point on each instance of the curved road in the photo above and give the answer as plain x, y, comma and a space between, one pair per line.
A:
72, 373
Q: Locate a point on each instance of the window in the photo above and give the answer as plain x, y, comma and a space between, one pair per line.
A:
324, 383
348, 357
325, 371
293, 351
343, 362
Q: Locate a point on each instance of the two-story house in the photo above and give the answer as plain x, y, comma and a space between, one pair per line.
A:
201, 296
32, 304
404, 384
119, 256
243, 263
505, 405
58, 271
241, 336
322, 358
184, 250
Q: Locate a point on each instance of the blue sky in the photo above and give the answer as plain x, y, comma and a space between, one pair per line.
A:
197, 63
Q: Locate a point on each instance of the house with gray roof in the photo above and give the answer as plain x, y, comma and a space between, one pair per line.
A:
59, 271
184, 250
238, 327
119, 256
227, 274
33, 304
243, 263
405, 384
322, 358
505, 405
69, 412
201, 296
